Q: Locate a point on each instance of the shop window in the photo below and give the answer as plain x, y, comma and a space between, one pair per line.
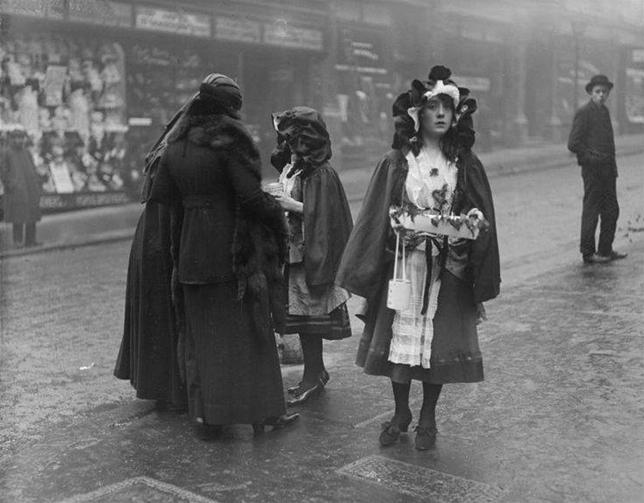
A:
161, 77
68, 93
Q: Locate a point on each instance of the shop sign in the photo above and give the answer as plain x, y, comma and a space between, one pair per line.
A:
103, 12
361, 50
58, 202
285, 35
369, 70
51, 9
179, 21
237, 30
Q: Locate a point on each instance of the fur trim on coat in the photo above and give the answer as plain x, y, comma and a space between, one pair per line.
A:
260, 238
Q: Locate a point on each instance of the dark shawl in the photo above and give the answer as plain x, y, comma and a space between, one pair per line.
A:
150, 349
368, 252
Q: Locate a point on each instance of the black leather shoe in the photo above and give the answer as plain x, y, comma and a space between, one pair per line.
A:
304, 395
301, 395
617, 255
276, 422
391, 431
596, 259
295, 390
425, 437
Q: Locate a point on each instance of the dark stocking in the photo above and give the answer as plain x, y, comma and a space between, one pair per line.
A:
431, 392
313, 360
401, 396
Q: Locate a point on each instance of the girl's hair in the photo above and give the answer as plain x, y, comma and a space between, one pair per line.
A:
449, 141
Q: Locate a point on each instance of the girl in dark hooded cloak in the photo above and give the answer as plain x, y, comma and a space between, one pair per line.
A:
434, 339
319, 222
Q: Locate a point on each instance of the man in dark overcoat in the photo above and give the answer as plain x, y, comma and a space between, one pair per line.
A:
22, 189
592, 140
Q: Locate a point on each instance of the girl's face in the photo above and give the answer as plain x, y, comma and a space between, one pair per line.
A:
436, 117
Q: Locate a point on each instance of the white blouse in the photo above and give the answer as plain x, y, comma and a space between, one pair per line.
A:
431, 180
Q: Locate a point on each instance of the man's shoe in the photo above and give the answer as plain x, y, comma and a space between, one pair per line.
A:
596, 259
617, 255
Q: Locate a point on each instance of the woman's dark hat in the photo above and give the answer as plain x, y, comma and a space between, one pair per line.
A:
598, 80
221, 89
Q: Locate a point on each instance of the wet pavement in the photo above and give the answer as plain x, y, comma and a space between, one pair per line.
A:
558, 418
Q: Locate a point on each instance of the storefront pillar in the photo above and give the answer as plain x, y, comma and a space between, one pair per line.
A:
616, 77
517, 125
329, 91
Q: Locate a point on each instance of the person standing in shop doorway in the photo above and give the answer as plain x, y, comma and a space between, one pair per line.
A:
22, 190
592, 140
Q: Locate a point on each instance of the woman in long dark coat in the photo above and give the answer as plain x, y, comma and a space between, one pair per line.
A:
148, 355
228, 244
319, 225
22, 189
434, 339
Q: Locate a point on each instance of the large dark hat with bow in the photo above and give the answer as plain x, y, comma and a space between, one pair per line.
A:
408, 104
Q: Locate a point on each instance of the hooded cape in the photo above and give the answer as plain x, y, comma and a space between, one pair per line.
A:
327, 217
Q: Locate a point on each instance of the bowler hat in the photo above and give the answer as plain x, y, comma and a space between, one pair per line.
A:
598, 80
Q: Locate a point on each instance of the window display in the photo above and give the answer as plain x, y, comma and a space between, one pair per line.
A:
68, 93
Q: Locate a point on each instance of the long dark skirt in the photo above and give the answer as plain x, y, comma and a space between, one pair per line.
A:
232, 377
456, 357
148, 353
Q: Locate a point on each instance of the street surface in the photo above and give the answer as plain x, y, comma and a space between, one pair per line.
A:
558, 419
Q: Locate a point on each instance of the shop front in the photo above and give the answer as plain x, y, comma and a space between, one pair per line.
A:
67, 90
365, 83
93, 82
632, 92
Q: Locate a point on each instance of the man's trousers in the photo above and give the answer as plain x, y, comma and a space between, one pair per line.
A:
600, 202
